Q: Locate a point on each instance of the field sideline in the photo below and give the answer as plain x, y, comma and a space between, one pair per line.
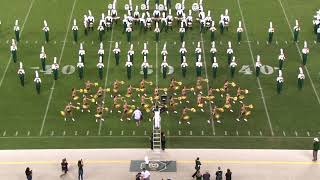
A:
287, 120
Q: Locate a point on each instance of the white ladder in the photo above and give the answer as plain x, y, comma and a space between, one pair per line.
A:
156, 140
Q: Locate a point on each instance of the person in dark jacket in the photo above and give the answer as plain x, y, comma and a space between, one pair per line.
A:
64, 166
80, 169
151, 141
163, 141
28, 173
206, 176
219, 174
228, 174
315, 149
197, 167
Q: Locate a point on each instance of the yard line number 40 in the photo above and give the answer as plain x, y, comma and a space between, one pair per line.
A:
265, 69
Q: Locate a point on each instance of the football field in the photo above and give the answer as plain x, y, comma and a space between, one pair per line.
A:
285, 120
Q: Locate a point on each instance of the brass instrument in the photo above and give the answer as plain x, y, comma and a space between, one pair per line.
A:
220, 109
186, 117
204, 80
179, 83
149, 82
163, 89
250, 106
233, 84
248, 113
208, 97
136, 89
75, 98
193, 110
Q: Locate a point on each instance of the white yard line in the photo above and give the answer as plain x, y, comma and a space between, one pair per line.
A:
157, 64
258, 80
298, 49
205, 67
22, 27
60, 58
107, 74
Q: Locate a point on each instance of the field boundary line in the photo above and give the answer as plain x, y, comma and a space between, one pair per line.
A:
54, 82
252, 162
22, 27
258, 80
107, 74
298, 49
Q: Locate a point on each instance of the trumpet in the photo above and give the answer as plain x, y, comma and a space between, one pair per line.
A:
75, 98
149, 82
217, 90
248, 113
232, 84
220, 109
204, 80
193, 110
149, 98
250, 106
234, 98
132, 106
163, 89
208, 97
137, 89
246, 91
179, 83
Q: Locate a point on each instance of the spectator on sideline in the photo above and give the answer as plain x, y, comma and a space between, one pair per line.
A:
315, 149
137, 115
198, 175
163, 141
80, 169
219, 174
206, 176
64, 166
197, 166
228, 174
28, 173
145, 174
151, 141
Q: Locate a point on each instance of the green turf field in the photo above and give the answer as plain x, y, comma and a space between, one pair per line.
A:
287, 120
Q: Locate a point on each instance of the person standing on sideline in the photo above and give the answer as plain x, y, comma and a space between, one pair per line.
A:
228, 174
151, 141
64, 166
163, 141
145, 174
315, 149
219, 174
206, 176
28, 173
137, 114
80, 171
197, 166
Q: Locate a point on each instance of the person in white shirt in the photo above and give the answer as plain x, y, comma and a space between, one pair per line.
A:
145, 174
137, 115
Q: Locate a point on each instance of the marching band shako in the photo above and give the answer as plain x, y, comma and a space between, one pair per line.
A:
161, 7
143, 7
126, 7
109, 6
178, 6
195, 7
